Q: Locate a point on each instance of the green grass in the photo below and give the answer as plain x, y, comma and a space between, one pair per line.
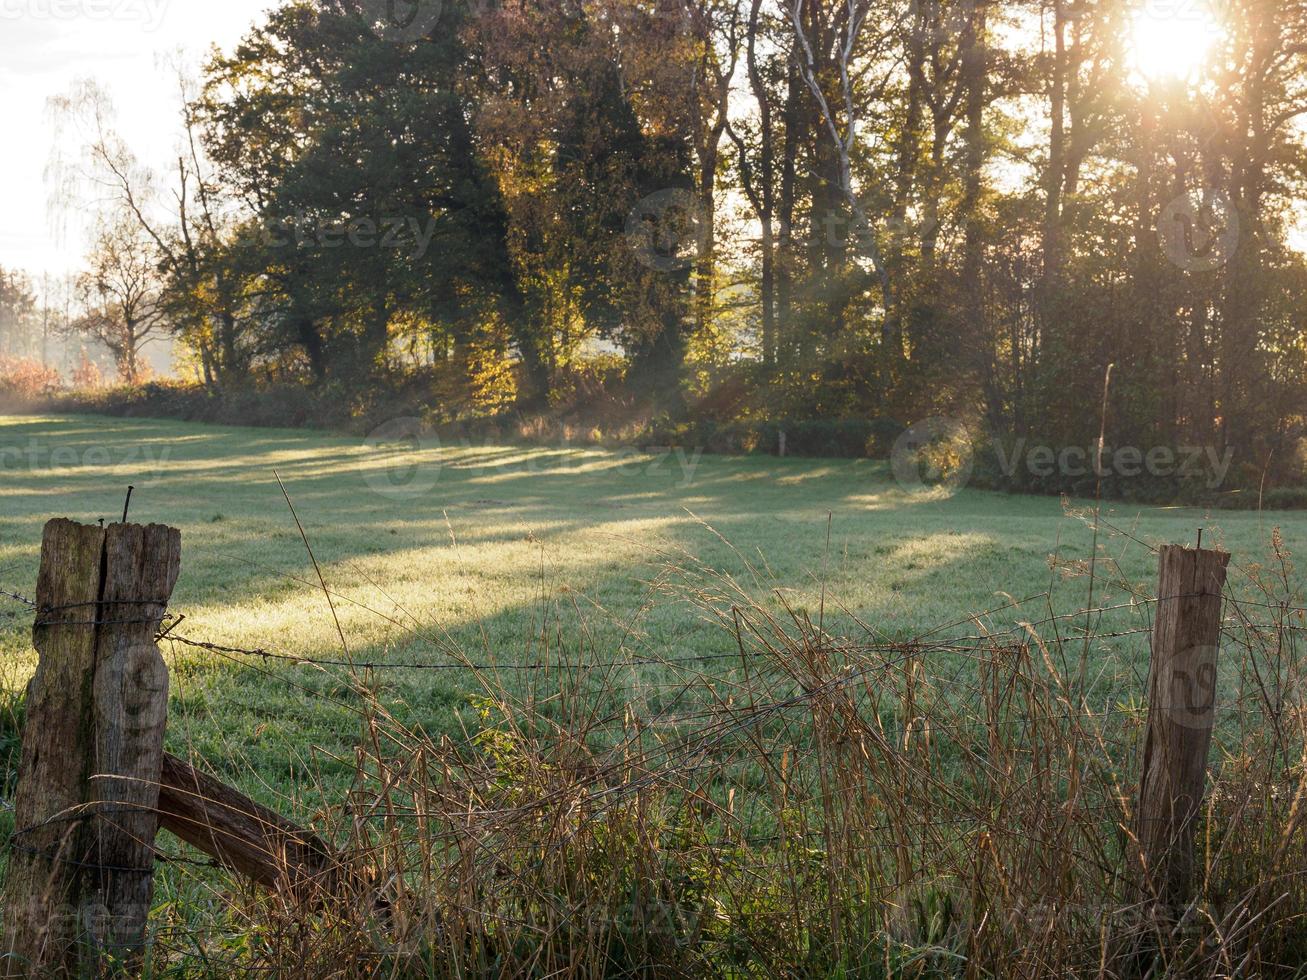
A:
512, 548
516, 556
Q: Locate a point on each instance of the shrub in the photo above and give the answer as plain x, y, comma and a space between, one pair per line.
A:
851, 810
87, 376
845, 438
24, 379
832, 438
1285, 498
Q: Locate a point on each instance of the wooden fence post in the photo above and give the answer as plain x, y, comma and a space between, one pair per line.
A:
1181, 716
43, 880
80, 879
252, 840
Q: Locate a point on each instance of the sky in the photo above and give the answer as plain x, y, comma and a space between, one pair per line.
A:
45, 47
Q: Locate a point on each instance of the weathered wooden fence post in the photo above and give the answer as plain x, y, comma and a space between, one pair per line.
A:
80, 879
1181, 716
250, 839
49, 847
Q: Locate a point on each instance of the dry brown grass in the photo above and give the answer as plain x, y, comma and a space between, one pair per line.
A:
819, 806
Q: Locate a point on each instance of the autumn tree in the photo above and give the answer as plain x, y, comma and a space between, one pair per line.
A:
120, 296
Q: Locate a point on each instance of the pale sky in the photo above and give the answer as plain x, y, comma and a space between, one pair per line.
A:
45, 46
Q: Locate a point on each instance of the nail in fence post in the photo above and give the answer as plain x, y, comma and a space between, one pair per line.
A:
80, 877
1181, 717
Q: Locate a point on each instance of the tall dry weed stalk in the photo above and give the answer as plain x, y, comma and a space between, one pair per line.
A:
811, 805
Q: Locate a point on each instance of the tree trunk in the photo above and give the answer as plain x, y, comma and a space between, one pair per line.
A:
766, 194
705, 270
786, 258
1053, 180
892, 331
975, 77
306, 332
767, 294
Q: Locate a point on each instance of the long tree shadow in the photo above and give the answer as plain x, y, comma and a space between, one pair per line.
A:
511, 554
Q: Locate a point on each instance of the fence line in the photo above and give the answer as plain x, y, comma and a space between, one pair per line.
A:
22, 599
951, 645
724, 734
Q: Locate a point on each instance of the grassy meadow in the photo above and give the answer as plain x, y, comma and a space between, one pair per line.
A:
452, 568
502, 555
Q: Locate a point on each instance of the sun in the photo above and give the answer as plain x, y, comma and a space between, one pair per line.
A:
1171, 40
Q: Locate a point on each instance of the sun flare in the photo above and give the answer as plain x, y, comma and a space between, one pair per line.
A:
1172, 41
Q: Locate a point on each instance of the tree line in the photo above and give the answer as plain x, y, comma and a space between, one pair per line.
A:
688, 211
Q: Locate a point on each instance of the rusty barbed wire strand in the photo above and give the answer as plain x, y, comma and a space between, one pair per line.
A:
954, 644
17, 597
831, 678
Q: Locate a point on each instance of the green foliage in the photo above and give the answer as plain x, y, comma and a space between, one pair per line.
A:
12, 707
458, 224
1286, 498
376, 214
567, 558
26, 380
20, 327
830, 438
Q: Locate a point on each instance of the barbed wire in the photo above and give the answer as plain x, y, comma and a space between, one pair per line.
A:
954, 645
682, 758
960, 645
88, 815
17, 597
55, 856
470, 666
718, 739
